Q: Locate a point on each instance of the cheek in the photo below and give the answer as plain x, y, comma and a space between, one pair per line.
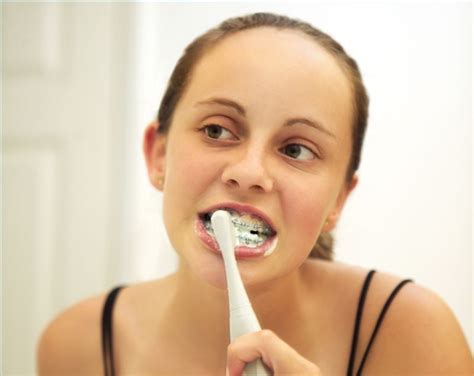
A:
306, 210
186, 169
188, 176
189, 172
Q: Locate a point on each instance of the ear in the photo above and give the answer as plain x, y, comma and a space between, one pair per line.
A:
154, 149
341, 200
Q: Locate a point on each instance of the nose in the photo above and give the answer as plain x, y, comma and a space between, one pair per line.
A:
246, 170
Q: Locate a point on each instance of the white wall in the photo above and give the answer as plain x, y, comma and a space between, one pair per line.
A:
411, 213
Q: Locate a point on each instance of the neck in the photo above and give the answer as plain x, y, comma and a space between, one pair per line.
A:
199, 311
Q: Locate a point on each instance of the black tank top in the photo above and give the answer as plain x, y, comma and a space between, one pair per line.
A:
107, 340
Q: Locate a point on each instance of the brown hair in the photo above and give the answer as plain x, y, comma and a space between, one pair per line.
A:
181, 76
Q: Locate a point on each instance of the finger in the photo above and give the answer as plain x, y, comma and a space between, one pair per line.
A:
245, 349
239, 354
276, 354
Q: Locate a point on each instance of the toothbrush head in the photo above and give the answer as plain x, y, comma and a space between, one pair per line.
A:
224, 232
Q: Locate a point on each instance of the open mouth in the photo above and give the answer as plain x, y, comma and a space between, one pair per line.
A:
251, 231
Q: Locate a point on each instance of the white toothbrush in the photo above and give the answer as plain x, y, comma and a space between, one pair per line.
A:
242, 317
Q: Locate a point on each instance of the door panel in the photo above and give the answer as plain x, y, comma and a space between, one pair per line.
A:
60, 141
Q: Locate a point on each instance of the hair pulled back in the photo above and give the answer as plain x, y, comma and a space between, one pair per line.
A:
182, 73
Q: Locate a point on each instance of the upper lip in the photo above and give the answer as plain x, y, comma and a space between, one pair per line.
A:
241, 209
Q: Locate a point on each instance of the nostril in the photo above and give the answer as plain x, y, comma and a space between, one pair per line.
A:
233, 182
255, 183
258, 188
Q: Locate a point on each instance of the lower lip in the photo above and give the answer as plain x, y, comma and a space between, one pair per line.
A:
240, 251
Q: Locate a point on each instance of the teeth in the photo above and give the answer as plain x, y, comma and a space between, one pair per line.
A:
249, 227
250, 231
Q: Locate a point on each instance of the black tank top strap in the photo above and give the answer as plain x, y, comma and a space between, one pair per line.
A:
379, 321
360, 310
107, 349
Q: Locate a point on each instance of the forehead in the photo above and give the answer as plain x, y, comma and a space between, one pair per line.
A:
275, 72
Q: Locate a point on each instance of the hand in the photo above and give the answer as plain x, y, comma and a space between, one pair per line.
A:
276, 354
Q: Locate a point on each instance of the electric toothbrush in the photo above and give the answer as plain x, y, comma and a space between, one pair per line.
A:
242, 317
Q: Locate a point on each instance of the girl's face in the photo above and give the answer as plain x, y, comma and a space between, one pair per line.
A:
265, 121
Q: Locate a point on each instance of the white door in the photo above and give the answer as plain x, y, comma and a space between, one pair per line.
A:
63, 105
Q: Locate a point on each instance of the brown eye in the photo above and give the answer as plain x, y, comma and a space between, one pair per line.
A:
296, 150
214, 131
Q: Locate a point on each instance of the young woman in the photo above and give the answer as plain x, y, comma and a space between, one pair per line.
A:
264, 116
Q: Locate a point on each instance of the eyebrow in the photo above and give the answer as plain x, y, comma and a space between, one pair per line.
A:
224, 102
300, 120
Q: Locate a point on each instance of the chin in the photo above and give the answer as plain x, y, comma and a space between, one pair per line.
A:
208, 268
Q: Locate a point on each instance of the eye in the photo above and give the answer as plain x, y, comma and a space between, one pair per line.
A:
295, 150
214, 131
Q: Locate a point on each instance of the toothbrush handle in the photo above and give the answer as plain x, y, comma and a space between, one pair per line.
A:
256, 368
242, 321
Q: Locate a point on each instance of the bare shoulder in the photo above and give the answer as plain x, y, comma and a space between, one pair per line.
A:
71, 343
419, 335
